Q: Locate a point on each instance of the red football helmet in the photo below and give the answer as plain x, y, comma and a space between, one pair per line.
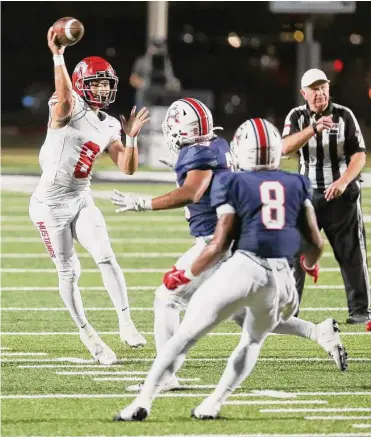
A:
94, 68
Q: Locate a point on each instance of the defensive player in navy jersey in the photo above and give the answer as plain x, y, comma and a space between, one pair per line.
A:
189, 131
201, 159
252, 211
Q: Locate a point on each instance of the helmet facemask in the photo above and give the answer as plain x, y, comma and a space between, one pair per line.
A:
101, 98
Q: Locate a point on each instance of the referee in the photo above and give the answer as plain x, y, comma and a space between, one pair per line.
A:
332, 154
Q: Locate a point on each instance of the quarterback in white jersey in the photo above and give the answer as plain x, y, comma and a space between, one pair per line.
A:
62, 207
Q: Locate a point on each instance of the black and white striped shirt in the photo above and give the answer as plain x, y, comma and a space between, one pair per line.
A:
325, 157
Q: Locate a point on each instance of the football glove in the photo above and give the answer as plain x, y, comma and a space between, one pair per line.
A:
313, 271
176, 278
127, 202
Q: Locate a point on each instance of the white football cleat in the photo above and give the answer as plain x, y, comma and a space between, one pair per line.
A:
131, 413
207, 410
172, 384
130, 335
96, 346
328, 337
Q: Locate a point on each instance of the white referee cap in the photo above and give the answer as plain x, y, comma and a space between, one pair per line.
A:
313, 75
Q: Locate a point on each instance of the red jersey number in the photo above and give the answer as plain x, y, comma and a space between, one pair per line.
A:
86, 160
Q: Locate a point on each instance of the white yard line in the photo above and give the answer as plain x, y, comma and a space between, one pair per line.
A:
121, 254
240, 435
122, 378
324, 287
280, 402
337, 417
323, 270
85, 271
16, 354
108, 218
241, 395
87, 363
125, 373
315, 410
217, 334
362, 425
103, 309
99, 372
87, 255
139, 287
147, 287
65, 309
182, 226
128, 240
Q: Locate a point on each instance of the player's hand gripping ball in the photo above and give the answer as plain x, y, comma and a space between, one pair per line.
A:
69, 31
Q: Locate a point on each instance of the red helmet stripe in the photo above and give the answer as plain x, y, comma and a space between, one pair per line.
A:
263, 140
201, 113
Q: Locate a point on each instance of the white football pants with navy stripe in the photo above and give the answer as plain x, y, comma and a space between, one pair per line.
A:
265, 288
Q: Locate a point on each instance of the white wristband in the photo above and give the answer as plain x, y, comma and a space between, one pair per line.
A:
189, 275
308, 268
58, 60
148, 204
131, 142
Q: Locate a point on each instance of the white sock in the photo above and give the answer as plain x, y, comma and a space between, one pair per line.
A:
298, 327
69, 274
167, 320
115, 284
239, 366
71, 296
169, 360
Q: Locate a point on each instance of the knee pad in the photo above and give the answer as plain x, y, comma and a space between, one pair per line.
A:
108, 260
69, 270
165, 297
102, 252
239, 317
76, 267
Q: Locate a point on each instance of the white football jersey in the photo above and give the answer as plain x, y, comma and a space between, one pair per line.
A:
68, 154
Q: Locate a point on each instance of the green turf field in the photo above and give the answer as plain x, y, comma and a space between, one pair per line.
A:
50, 387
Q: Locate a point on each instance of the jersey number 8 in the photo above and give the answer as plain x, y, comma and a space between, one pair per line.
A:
272, 196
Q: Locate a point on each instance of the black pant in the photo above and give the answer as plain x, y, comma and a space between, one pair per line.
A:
341, 219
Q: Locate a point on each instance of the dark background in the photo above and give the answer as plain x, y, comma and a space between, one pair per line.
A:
209, 62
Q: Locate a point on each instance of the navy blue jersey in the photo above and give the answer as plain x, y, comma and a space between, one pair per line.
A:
267, 204
213, 155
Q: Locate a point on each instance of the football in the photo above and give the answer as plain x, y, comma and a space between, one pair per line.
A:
69, 31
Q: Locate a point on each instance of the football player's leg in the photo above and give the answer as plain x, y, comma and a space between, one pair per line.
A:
326, 334
55, 231
89, 229
258, 322
216, 300
56, 234
168, 305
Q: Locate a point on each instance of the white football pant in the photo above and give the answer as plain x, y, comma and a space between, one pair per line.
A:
79, 219
169, 304
265, 287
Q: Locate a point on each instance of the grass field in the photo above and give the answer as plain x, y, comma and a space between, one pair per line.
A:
51, 387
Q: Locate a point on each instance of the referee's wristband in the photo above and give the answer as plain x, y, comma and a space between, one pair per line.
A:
314, 127
131, 141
